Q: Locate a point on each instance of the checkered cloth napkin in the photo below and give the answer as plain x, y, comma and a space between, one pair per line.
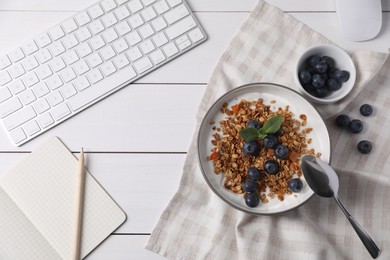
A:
199, 225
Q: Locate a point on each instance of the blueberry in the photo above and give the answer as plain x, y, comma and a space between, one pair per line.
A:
329, 61
253, 124
356, 126
295, 185
280, 151
364, 147
321, 92
313, 60
251, 148
251, 199
254, 174
309, 88
271, 167
250, 186
318, 80
366, 110
270, 141
342, 120
341, 75
321, 67
333, 84
304, 77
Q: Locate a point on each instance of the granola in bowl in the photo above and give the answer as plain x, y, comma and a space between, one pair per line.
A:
250, 143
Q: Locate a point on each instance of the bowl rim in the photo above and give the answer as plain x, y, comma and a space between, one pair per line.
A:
352, 78
203, 170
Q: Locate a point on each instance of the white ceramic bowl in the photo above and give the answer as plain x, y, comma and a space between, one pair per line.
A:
342, 61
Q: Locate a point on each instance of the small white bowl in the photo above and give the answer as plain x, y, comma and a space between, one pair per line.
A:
342, 61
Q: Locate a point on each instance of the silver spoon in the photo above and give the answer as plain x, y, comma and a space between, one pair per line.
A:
324, 181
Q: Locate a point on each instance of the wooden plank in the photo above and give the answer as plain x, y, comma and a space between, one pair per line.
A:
124, 247
142, 184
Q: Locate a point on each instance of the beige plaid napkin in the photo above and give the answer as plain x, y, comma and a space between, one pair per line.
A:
199, 225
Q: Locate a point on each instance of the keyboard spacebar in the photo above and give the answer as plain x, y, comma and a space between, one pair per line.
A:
100, 88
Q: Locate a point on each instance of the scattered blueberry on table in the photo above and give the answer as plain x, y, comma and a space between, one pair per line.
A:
342, 120
355, 126
364, 147
366, 110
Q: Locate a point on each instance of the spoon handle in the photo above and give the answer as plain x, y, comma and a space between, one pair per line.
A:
372, 248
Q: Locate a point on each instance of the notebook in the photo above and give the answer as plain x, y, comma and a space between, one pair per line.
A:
37, 202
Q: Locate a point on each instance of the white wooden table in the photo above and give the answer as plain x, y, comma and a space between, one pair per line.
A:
136, 140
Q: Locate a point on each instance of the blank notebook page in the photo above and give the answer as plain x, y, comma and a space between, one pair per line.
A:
43, 186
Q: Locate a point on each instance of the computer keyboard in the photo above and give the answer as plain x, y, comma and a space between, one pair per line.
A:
88, 57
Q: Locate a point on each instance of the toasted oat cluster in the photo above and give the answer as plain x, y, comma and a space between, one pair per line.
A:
229, 159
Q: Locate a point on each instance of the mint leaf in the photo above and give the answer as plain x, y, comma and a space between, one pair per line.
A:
260, 135
272, 125
249, 134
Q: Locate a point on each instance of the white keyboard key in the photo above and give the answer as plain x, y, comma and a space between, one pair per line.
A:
110, 35
10, 106
27, 97
57, 64
180, 27
83, 50
44, 71
43, 40
146, 31
4, 62
133, 38
17, 70
41, 89
122, 28
71, 56
54, 98
70, 41
41, 105
107, 53
83, 34
135, 6
54, 82
16, 55
176, 14
19, 117
135, 21
161, 7
30, 63
157, 57
45, 120
183, 42
18, 135
69, 25
109, 20
82, 18
31, 128
43, 56
173, 3
148, 14
92, 93
143, 65
96, 27
56, 32
94, 60
4, 94
94, 76
196, 35
148, 2
30, 47
4, 77
134, 53
108, 68
120, 45
81, 67
57, 48
120, 61
95, 11
122, 12
159, 24
68, 91
170, 49
60, 111
160, 39
67, 75
17, 87
120, 2
108, 5
147, 46
81, 83
30, 79
97, 42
